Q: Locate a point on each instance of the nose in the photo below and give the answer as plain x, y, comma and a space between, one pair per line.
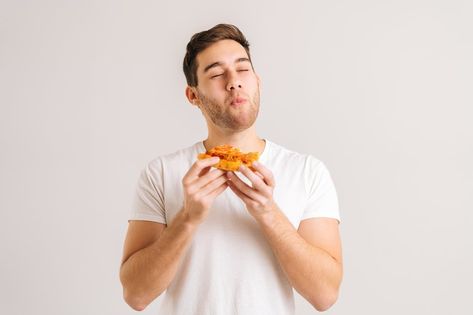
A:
234, 82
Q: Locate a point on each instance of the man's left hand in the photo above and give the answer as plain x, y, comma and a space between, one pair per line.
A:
258, 198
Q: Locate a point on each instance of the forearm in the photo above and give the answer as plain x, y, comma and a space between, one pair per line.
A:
148, 272
311, 271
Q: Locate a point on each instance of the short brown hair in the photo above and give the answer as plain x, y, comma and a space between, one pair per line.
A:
202, 40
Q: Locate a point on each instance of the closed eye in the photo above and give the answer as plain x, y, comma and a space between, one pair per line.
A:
220, 74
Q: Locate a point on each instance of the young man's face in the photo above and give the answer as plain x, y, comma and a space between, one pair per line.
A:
228, 88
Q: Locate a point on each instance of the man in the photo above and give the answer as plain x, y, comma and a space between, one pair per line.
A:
231, 242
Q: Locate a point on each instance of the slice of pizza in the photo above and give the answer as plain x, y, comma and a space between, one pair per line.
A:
230, 157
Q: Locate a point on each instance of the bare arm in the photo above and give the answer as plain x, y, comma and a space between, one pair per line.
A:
152, 251
310, 257
149, 271
313, 265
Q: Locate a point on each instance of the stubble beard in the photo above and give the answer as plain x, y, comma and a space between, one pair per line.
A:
234, 118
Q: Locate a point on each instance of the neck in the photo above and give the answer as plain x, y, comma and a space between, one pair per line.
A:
246, 140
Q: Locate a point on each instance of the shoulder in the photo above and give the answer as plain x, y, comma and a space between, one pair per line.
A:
291, 164
289, 157
187, 153
183, 157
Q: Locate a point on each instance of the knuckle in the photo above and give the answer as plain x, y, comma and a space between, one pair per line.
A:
217, 172
201, 163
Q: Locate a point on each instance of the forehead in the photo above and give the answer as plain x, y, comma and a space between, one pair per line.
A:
225, 51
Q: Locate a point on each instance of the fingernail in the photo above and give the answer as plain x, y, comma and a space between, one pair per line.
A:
255, 163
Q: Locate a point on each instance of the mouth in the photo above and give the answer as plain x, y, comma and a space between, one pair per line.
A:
238, 101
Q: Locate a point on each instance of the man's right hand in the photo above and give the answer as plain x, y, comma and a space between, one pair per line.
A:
201, 186
152, 250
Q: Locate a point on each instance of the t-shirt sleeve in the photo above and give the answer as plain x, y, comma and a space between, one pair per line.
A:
322, 196
148, 200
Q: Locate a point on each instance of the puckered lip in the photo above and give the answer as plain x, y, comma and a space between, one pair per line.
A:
238, 100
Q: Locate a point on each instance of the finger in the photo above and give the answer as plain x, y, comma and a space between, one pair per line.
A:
219, 190
257, 181
237, 192
267, 174
207, 178
245, 188
198, 167
204, 171
211, 186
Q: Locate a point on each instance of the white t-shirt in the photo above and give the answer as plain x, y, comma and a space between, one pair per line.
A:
229, 268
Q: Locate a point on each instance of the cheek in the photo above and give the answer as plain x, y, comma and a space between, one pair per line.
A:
213, 87
214, 95
252, 81
252, 87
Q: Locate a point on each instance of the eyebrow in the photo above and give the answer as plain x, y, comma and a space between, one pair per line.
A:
219, 64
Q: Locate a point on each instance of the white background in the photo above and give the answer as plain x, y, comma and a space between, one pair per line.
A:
380, 91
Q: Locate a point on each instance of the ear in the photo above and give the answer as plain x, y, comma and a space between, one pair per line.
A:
191, 94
